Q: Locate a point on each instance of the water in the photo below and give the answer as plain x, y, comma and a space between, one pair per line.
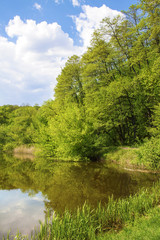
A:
29, 189
18, 210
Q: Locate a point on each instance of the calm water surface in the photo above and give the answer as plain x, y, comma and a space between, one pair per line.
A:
30, 189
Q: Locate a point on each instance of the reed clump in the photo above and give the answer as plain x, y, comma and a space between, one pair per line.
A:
24, 149
87, 223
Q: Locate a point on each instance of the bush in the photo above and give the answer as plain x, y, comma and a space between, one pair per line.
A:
8, 147
149, 153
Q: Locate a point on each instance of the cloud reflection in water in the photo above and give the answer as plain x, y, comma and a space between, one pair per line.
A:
20, 211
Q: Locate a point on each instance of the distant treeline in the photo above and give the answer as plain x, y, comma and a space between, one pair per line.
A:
108, 96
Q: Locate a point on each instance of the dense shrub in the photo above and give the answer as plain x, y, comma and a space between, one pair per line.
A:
149, 153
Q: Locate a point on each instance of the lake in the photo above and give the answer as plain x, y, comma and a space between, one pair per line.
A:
30, 189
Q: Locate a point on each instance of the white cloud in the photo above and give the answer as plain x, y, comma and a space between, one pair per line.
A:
90, 19
34, 53
15, 210
75, 3
31, 63
37, 6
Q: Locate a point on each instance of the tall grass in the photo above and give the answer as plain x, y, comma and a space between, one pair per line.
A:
125, 156
87, 223
24, 149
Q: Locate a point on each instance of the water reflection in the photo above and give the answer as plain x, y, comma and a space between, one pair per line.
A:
62, 185
17, 210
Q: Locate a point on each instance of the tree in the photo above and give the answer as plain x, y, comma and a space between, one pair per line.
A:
74, 137
69, 85
21, 126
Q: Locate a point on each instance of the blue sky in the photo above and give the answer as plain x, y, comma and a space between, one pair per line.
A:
38, 36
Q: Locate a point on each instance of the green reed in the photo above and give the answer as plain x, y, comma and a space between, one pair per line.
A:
87, 223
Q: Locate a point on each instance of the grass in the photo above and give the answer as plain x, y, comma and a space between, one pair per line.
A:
146, 227
125, 156
144, 157
87, 223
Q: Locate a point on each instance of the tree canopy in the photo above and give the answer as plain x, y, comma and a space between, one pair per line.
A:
108, 96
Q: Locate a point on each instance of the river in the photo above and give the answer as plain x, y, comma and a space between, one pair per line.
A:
32, 188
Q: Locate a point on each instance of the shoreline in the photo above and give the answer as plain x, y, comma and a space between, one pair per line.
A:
125, 157
129, 159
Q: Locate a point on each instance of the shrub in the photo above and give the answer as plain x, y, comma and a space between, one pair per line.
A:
149, 153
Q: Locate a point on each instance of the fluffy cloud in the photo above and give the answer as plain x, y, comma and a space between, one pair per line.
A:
31, 62
32, 55
15, 210
90, 19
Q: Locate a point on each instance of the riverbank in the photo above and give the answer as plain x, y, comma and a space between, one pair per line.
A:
130, 158
145, 227
100, 222
124, 156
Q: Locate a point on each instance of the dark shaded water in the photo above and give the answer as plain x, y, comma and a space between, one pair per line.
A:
29, 189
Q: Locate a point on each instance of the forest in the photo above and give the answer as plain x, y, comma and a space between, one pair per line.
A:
109, 96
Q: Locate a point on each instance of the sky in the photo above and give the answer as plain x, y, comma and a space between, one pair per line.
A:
38, 36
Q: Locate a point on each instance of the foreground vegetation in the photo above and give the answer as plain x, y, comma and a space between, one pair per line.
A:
87, 223
146, 227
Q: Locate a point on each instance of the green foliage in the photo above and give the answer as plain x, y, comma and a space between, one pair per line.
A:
17, 126
146, 227
42, 137
21, 129
6, 112
2, 136
108, 96
149, 153
69, 85
74, 137
155, 129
